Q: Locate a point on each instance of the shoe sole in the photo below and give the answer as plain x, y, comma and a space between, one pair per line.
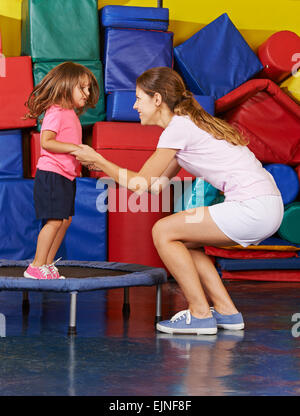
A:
233, 327
199, 331
35, 278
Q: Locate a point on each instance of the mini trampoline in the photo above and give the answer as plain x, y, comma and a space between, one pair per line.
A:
84, 276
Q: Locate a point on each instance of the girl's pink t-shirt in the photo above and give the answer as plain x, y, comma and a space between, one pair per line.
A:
232, 169
65, 123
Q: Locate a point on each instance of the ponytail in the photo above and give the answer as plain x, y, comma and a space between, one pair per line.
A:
181, 102
218, 128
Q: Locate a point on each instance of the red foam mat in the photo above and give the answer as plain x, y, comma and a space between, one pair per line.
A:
263, 275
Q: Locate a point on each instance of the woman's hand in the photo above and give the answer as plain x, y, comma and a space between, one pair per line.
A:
86, 155
94, 167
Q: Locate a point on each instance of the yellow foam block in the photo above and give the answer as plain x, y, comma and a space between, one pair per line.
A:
291, 86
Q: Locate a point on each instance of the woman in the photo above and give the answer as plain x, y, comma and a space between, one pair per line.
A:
210, 148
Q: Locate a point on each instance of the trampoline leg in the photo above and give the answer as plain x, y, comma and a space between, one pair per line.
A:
25, 303
72, 323
158, 316
126, 305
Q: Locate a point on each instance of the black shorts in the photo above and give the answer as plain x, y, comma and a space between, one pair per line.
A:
54, 195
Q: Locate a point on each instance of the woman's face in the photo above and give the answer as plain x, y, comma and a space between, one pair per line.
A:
81, 92
146, 106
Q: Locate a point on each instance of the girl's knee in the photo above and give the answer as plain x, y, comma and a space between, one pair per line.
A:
67, 222
55, 223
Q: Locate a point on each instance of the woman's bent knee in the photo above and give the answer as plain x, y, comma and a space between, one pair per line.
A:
158, 233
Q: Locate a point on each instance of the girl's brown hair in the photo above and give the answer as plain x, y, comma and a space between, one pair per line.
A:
181, 102
57, 88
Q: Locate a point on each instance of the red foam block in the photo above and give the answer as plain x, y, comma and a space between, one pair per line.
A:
128, 145
15, 88
267, 117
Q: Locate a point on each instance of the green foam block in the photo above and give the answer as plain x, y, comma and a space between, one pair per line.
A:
92, 115
54, 30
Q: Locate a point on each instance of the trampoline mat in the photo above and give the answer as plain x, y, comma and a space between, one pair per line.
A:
81, 276
67, 271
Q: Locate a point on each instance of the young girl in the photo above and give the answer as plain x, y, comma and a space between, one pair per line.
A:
64, 93
210, 148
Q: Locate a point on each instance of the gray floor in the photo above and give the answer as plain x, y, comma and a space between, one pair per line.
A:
111, 356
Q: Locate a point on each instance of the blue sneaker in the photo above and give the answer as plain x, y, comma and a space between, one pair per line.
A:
234, 322
185, 323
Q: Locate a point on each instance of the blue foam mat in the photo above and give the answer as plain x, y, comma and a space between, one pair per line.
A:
259, 264
155, 18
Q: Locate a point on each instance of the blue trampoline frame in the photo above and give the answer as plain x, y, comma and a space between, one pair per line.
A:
138, 275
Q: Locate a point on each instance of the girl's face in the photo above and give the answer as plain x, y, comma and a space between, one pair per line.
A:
146, 106
81, 92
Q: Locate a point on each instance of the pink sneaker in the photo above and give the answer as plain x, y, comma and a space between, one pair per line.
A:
40, 273
54, 270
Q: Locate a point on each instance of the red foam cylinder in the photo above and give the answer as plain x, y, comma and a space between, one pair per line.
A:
298, 171
278, 54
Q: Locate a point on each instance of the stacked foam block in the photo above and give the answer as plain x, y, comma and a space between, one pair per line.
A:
259, 96
49, 36
135, 39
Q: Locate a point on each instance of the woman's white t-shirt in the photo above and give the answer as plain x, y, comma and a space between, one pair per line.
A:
232, 169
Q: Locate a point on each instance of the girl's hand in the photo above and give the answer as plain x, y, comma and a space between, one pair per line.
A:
86, 155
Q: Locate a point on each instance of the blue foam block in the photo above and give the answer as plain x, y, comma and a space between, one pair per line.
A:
11, 155
155, 18
207, 103
19, 227
216, 59
86, 238
119, 105
286, 179
130, 52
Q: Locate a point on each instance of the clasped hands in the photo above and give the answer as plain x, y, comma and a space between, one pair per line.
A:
86, 155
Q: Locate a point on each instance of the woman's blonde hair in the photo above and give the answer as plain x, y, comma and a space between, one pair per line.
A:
57, 88
181, 102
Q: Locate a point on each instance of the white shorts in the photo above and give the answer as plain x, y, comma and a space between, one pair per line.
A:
251, 221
